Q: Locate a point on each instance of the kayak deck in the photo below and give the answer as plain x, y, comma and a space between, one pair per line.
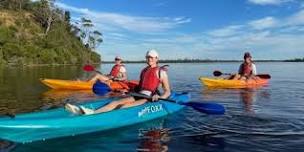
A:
59, 123
84, 85
224, 83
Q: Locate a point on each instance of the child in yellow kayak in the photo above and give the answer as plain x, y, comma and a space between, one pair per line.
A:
150, 78
247, 69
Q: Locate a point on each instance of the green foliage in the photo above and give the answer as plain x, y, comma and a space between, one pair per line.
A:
23, 39
295, 60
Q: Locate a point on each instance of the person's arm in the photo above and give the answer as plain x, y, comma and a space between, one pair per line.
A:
122, 78
165, 86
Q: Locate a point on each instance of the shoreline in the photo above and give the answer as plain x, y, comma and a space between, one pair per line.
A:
200, 61
136, 62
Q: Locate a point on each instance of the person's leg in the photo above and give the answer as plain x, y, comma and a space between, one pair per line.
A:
99, 77
230, 77
243, 78
236, 77
135, 103
115, 104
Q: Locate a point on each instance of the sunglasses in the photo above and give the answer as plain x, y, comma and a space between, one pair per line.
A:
149, 57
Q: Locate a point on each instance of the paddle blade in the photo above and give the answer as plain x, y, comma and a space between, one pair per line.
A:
88, 68
264, 76
217, 73
101, 88
208, 108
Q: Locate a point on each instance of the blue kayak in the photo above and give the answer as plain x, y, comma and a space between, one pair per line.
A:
60, 123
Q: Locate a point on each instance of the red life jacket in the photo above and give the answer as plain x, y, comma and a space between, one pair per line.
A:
246, 69
115, 70
149, 79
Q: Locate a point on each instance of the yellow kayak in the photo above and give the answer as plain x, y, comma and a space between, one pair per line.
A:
224, 83
84, 85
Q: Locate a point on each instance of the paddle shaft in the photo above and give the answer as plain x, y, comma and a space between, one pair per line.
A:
208, 108
148, 97
219, 73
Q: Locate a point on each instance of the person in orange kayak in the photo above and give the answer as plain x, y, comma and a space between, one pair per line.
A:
247, 69
150, 78
118, 73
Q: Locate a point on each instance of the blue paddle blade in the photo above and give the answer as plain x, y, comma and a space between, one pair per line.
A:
208, 108
179, 97
101, 88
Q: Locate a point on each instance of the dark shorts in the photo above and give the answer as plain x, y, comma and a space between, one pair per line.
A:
138, 98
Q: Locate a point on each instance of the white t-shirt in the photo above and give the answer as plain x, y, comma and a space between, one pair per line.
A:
122, 69
163, 74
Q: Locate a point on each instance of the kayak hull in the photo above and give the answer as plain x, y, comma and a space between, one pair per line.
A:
60, 123
59, 84
223, 83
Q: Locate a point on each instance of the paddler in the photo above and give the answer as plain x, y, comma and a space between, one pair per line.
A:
118, 73
247, 69
150, 78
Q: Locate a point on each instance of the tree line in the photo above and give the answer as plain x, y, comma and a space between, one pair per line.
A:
55, 36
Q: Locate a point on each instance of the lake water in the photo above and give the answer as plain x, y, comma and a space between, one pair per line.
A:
270, 118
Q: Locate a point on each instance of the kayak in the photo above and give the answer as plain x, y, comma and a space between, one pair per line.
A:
224, 83
58, 122
84, 85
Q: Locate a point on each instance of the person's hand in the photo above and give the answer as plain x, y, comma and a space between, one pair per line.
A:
155, 97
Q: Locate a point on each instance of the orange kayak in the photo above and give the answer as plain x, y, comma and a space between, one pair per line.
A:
84, 85
224, 83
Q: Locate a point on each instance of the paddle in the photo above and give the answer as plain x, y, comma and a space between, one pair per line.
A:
219, 73
208, 108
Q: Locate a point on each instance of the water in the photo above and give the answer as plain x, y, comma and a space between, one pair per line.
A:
263, 119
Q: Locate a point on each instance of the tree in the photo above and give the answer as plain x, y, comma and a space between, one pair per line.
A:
95, 39
46, 13
14, 4
86, 26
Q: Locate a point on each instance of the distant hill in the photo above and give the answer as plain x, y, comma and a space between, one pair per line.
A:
28, 36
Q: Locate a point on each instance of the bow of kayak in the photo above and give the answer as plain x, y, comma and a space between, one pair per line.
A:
224, 83
67, 84
59, 123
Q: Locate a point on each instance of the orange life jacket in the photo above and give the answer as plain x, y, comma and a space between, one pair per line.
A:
115, 70
246, 69
149, 79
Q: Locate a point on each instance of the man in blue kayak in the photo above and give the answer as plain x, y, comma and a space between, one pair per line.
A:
118, 73
150, 78
247, 69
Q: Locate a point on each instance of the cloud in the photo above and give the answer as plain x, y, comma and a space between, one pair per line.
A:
264, 23
297, 18
129, 22
226, 31
268, 2
130, 36
267, 38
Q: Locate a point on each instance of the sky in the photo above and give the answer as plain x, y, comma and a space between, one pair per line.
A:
195, 29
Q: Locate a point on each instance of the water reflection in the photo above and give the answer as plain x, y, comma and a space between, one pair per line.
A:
60, 95
6, 146
248, 96
154, 140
